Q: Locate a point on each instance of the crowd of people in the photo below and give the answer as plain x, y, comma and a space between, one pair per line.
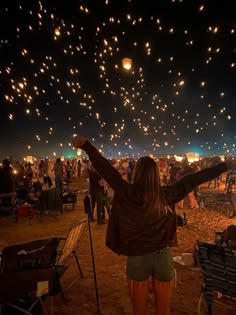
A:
46, 171
53, 173
23, 182
141, 211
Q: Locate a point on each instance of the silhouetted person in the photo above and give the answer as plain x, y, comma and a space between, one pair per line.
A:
7, 183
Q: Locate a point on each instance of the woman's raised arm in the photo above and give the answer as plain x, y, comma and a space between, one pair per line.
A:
101, 164
180, 189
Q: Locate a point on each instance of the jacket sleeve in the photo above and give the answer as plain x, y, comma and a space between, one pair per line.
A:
180, 189
104, 167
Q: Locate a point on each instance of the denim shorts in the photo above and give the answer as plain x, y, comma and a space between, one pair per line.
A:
158, 264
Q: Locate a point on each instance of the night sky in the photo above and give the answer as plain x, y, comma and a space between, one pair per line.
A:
61, 75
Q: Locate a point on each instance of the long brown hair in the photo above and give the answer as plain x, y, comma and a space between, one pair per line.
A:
147, 176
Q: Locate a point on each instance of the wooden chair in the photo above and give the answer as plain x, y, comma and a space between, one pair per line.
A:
69, 249
218, 266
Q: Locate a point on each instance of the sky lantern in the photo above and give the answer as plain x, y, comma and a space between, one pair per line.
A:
79, 152
29, 158
192, 157
178, 158
21, 85
57, 31
127, 63
141, 103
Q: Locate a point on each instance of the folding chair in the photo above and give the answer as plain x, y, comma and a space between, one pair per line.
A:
31, 255
218, 266
69, 248
69, 200
232, 198
28, 273
228, 205
25, 290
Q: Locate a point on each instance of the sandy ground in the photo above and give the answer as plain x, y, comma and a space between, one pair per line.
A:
110, 268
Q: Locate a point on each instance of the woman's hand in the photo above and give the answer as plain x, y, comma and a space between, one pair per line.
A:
78, 142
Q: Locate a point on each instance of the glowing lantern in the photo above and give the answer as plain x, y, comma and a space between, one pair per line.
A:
192, 157
29, 158
21, 85
79, 151
127, 63
178, 158
57, 32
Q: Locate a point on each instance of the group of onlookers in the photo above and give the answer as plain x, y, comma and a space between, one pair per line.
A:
170, 172
46, 171
174, 171
54, 173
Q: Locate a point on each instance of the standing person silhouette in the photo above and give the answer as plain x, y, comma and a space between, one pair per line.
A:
142, 224
97, 195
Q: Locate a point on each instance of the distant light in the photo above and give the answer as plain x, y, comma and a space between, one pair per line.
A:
57, 31
21, 85
127, 63
178, 158
201, 8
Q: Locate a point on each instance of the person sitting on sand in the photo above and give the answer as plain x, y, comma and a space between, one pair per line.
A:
142, 224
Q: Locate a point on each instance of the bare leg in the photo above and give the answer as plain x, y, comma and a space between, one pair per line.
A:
163, 292
181, 204
192, 199
139, 293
